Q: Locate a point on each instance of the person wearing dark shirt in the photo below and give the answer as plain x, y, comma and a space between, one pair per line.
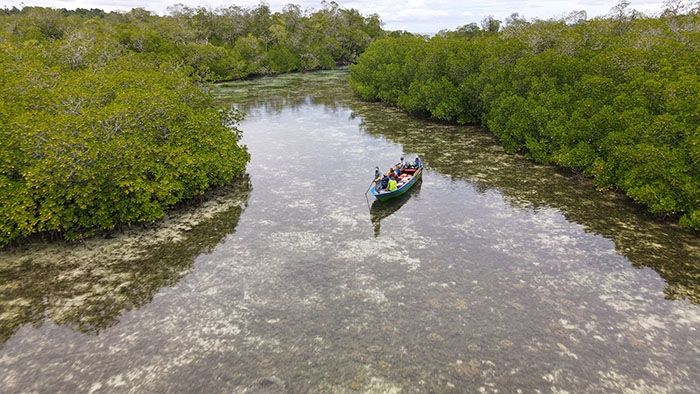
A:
384, 182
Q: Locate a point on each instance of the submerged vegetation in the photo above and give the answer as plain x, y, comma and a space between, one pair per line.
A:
87, 286
615, 98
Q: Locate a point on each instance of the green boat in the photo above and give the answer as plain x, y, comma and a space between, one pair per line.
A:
384, 195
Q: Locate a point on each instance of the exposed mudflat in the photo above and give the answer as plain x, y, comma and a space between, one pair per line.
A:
493, 275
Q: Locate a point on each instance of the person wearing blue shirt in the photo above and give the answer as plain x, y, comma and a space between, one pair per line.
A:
418, 163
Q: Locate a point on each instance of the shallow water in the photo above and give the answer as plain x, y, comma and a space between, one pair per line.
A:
492, 274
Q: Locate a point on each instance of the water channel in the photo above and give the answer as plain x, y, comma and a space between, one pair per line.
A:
492, 274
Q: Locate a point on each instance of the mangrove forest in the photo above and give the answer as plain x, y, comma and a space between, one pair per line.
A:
615, 98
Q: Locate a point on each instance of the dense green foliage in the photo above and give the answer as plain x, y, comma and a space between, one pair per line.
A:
94, 133
615, 98
106, 118
222, 44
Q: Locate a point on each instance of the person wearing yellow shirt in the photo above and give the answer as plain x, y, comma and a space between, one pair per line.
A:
392, 185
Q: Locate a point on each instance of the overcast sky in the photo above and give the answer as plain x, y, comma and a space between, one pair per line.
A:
420, 16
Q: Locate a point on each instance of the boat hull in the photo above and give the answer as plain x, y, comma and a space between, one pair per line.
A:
403, 189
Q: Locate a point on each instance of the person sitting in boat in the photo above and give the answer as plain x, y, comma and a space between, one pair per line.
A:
397, 171
377, 173
392, 185
418, 163
384, 182
403, 164
392, 173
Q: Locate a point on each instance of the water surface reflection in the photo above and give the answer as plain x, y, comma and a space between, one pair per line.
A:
88, 285
382, 209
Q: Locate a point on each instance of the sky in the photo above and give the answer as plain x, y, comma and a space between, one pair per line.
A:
418, 16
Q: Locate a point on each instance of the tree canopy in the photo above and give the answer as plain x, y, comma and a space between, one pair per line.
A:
107, 118
220, 44
616, 98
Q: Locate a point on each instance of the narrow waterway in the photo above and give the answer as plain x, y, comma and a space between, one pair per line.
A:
492, 274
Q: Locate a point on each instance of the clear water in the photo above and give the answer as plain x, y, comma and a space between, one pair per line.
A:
492, 274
